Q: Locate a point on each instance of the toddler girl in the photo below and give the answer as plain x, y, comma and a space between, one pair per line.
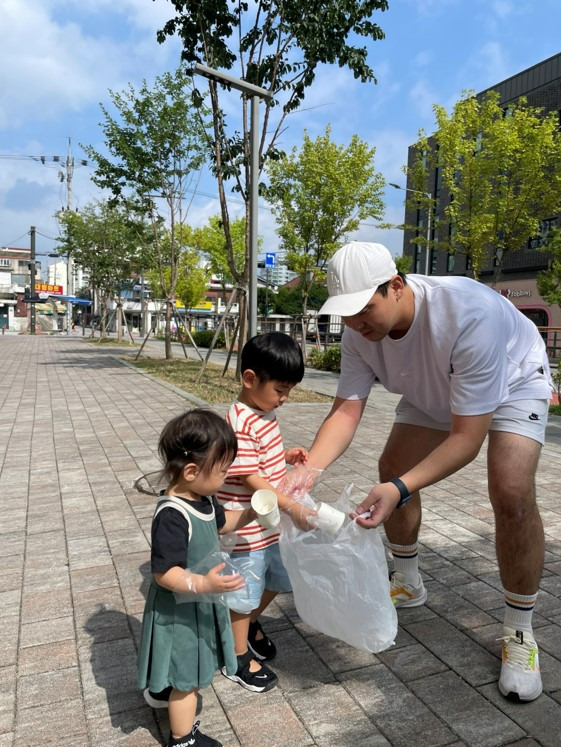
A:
183, 645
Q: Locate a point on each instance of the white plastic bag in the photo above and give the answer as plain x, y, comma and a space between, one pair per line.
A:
340, 583
214, 558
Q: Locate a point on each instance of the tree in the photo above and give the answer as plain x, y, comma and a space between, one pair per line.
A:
501, 170
549, 281
192, 278
277, 46
104, 240
156, 147
319, 195
288, 300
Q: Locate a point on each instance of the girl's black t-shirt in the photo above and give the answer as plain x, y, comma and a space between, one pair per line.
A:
170, 534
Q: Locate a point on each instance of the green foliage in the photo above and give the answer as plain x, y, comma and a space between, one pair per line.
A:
502, 169
192, 280
155, 142
204, 338
326, 360
289, 300
318, 196
211, 241
403, 263
103, 239
549, 281
556, 377
278, 46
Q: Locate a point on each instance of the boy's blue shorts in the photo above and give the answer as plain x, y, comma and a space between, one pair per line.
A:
266, 572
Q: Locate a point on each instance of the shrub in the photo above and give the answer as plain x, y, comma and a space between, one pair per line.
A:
326, 360
204, 338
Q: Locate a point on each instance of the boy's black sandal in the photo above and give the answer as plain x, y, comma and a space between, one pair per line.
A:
262, 648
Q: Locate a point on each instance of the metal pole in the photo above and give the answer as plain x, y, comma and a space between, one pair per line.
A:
69, 260
142, 306
32, 283
429, 211
253, 201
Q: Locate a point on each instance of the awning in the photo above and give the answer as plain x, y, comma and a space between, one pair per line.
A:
73, 299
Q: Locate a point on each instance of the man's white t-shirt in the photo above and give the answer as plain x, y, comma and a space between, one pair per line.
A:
467, 351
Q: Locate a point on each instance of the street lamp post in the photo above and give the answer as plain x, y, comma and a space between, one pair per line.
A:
429, 211
255, 93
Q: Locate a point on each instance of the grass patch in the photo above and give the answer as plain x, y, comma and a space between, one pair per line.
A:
555, 409
111, 341
213, 388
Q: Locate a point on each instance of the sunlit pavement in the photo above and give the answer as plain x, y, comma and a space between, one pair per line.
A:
77, 427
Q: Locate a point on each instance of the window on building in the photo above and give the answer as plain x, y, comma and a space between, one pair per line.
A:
19, 279
545, 227
23, 263
450, 261
5, 262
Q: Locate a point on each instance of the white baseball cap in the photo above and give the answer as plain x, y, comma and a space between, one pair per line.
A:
353, 275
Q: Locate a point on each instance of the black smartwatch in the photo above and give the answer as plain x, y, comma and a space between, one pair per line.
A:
404, 493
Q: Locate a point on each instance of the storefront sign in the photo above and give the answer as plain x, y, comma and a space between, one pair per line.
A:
508, 293
48, 288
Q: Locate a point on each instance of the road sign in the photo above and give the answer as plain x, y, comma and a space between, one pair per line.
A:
270, 259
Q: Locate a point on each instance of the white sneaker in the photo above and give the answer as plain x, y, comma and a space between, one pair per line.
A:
406, 595
520, 672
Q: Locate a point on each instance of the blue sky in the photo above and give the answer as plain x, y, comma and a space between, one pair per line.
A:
58, 58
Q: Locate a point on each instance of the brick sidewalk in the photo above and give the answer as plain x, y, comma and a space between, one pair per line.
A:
76, 428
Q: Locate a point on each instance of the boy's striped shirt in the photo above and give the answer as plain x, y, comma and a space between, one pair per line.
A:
261, 452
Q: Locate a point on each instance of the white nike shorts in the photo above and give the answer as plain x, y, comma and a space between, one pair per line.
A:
525, 417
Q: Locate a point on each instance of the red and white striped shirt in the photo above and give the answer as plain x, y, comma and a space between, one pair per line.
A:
260, 452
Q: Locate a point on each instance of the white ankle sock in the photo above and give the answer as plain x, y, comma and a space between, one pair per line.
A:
406, 561
518, 610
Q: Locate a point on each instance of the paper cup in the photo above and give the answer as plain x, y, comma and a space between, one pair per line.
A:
264, 503
329, 519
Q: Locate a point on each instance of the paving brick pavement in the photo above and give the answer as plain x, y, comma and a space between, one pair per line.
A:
76, 428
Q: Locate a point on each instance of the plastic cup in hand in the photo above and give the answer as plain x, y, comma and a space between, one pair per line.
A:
329, 519
264, 503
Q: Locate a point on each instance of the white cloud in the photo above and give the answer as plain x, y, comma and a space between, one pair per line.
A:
423, 97
502, 8
47, 66
485, 67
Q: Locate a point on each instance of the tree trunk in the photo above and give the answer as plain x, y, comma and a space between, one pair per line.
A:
119, 317
242, 315
167, 333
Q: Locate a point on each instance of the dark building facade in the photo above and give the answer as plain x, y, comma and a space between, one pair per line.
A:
541, 85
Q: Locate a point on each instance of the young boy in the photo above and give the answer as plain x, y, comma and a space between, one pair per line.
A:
271, 366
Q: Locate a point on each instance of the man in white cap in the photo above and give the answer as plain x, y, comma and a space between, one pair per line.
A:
468, 365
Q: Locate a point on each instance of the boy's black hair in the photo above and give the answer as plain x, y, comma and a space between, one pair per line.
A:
274, 356
383, 289
199, 436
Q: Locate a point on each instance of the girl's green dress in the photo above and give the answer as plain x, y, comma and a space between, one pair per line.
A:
183, 645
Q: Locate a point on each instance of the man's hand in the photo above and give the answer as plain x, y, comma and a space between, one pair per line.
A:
379, 505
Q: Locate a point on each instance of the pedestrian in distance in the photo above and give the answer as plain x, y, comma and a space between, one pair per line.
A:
271, 365
469, 366
184, 644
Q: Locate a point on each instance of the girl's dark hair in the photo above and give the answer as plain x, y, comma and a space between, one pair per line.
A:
198, 436
383, 289
274, 356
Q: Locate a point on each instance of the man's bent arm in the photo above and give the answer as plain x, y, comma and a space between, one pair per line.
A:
458, 449
336, 432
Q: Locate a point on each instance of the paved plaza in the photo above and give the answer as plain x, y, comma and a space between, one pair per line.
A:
77, 427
